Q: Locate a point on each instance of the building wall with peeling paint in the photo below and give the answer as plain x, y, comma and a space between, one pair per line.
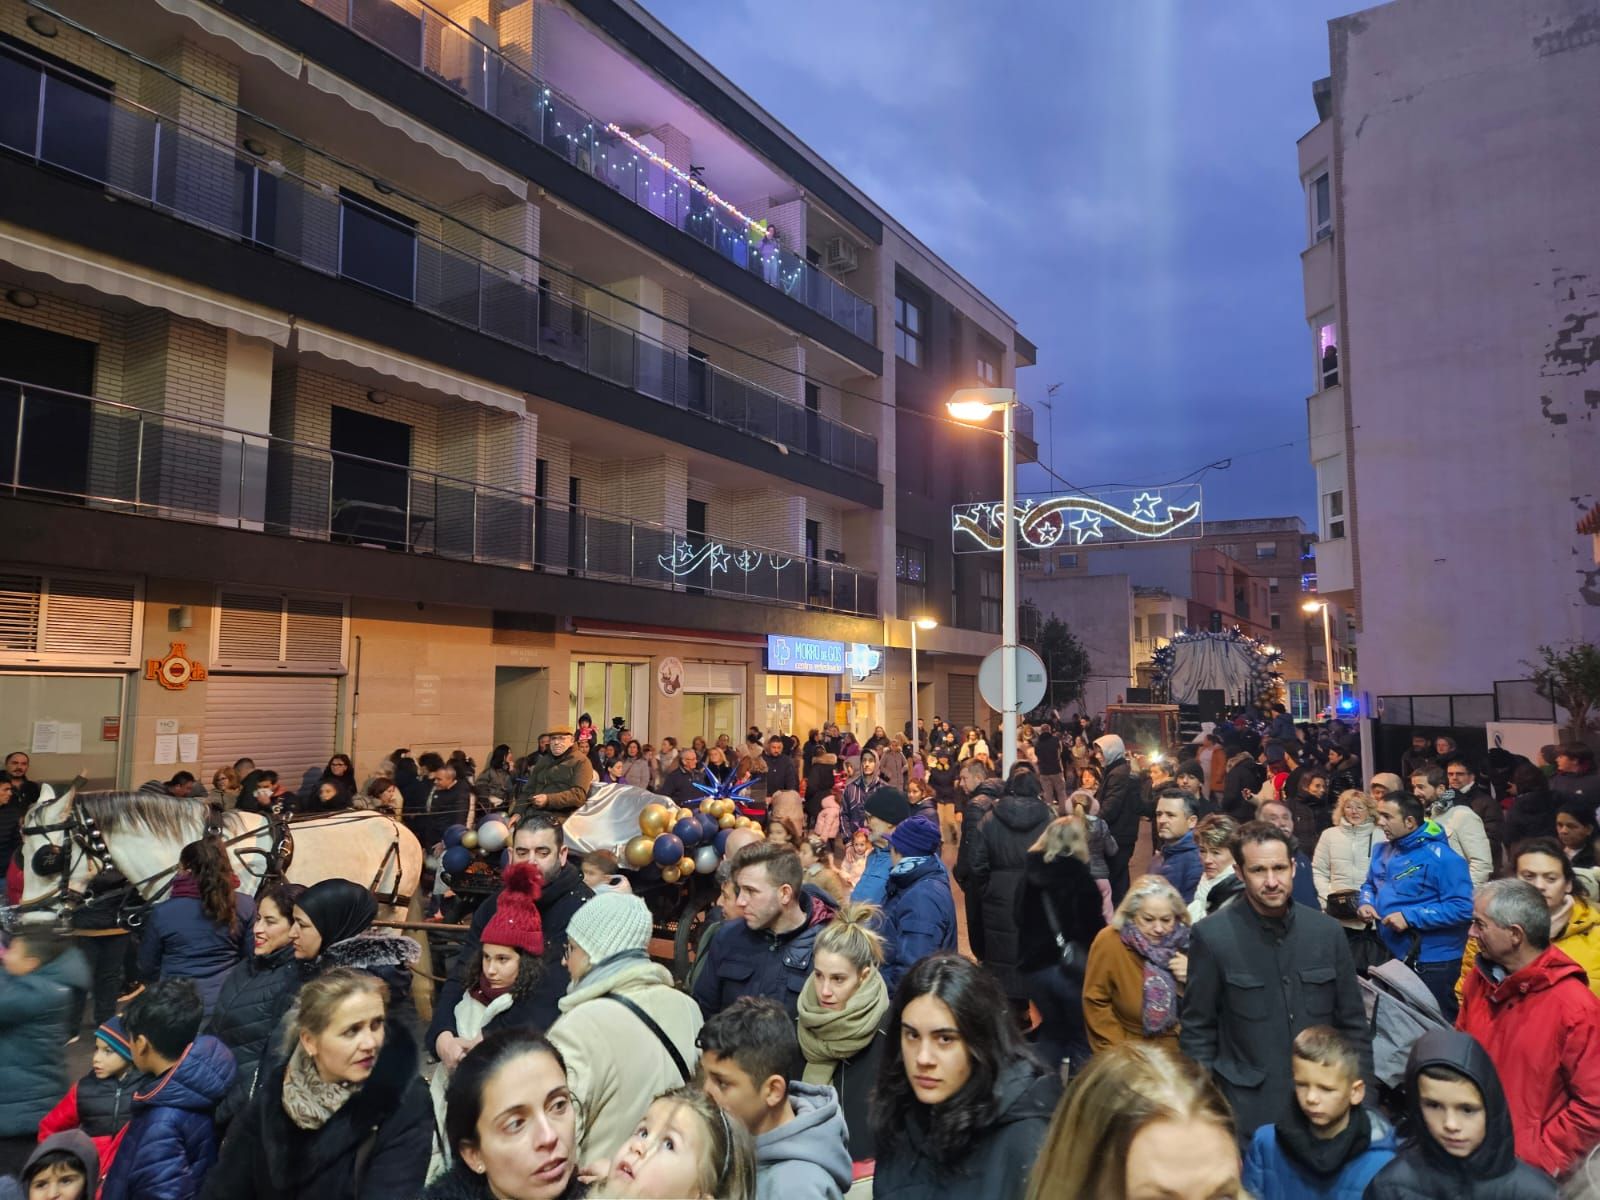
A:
1468, 245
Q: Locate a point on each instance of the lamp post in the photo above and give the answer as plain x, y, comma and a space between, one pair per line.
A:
916, 624
1311, 606
973, 406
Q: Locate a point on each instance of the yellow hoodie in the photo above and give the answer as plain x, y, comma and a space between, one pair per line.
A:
1580, 942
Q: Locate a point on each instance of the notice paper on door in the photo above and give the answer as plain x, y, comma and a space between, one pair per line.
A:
69, 738
46, 735
166, 748
189, 747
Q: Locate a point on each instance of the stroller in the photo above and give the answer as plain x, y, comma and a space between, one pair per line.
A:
1400, 1009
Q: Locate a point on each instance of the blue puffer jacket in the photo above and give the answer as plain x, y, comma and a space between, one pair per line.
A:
36, 1011
171, 1142
181, 942
1423, 879
1180, 865
919, 915
874, 882
1272, 1173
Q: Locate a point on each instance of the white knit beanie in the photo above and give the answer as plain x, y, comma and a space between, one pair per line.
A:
610, 923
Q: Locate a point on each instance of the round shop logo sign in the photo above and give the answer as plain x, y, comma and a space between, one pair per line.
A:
669, 676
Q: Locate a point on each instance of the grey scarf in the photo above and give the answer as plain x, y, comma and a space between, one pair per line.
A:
307, 1098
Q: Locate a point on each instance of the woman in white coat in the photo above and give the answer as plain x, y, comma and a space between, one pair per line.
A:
1339, 867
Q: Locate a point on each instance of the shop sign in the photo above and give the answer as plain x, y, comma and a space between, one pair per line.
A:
176, 671
815, 656
669, 676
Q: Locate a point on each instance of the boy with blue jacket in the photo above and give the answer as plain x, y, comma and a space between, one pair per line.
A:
1329, 1147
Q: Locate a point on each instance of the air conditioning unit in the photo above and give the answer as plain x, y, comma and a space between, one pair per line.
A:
833, 555
840, 254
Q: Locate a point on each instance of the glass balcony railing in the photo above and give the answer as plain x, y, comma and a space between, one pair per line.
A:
75, 449
138, 153
428, 40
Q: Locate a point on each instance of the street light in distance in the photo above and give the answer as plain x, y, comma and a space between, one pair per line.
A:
923, 623
1309, 608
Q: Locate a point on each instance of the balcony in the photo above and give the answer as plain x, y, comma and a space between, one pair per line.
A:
74, 449
142, 155
421, 36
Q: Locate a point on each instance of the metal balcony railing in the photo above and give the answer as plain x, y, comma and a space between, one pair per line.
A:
139, 153
418, 34
77, 449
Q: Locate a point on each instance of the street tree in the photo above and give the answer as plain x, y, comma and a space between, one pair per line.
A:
1570, 676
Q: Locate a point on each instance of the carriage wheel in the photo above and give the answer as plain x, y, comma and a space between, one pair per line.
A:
691, 922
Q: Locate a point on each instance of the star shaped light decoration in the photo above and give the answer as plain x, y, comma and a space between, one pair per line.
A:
1087, 526
1144, 506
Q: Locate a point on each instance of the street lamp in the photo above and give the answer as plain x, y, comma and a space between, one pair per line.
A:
973, 406
916, 624
1311, 606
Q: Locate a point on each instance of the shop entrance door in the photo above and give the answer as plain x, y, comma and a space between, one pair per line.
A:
710, 714
521, 707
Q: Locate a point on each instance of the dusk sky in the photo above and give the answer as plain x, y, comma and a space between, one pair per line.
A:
1119, 175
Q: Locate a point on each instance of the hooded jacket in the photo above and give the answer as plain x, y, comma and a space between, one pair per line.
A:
170, 1145
615, 1064
741, 961
853, 803
999, 860
1423, 879
255, 996
1120, 804
74, 1142
919, 915
1180, 865
997, 1164
1075, 899
1424, 1170
1273, 1171
1541, 1028
808, 1158
387, 1122
36, 1013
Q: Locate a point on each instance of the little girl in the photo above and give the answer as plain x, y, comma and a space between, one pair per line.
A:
684, 1146
1102, 845
507, 971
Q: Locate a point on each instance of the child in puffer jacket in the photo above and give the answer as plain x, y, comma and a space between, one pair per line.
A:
101, 1102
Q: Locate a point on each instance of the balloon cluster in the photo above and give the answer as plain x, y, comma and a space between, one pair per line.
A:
689, 841
461, 845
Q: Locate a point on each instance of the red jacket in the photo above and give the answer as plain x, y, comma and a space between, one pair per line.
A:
1541, 1027
64, 1116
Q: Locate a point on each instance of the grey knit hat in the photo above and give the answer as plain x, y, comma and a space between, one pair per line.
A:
609, 924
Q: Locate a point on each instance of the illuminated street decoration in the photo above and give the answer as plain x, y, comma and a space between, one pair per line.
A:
1244, 669
1107, 518
862, 660
713, 557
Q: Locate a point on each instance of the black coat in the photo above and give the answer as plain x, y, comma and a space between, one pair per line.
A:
254, 998
1120, 804
853, 1081
1532, 815
1253, 986
461, 1184
435, 810
386, 955
996, 1167
106, 1105
679, 786
1477, 797
560, 899
781, 774
980, 804
943, 782
1073, 895
999, 858
268, 1157
819, 782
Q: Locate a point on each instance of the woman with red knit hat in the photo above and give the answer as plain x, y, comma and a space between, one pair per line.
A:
501, 983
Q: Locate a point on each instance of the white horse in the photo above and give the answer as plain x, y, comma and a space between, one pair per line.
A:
142, 833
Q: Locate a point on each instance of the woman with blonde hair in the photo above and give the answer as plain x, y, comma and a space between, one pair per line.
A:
1213, 837
841, 1017
1137, 968
1339, 868
1058, 914
1142, 1120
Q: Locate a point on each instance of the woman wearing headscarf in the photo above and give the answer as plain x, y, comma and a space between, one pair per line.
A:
333, 928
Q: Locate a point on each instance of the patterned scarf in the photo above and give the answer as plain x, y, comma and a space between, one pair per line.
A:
1159, 1007
310, 1100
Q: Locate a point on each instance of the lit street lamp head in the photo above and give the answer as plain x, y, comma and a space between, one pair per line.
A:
1311, 606
974, 405
926, 623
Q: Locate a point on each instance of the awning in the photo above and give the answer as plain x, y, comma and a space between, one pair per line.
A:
221, 25
46, 256
314, 339
326, 81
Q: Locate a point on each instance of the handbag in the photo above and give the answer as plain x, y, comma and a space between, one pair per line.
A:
1342, 906
1074, 958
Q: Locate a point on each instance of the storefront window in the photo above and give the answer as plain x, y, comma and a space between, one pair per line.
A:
63, 722
605, 690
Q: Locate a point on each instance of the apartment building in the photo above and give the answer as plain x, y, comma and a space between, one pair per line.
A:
380, 373
1450, 271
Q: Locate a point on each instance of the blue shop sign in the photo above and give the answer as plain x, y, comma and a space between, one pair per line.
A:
815, 656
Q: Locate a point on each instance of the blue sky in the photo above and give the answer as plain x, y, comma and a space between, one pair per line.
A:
1119, 175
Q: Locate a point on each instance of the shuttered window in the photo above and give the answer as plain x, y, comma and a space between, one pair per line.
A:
276, 631
69, 620
288, 724
721, 678
963, 700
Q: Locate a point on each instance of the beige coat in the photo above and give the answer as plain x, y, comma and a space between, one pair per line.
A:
615, 1065
1342, 859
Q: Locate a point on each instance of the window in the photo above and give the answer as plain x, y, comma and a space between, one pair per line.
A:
1272, 585
1067, 560
1266, 549
74, 129
1138, 629
911, 579
908, 324
989, 600
988, 369
1333, 514
377, 246
1321, 208
1328, 354
1277, 621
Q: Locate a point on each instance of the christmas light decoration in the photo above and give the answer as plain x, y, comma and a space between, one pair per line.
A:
685, 178
688, 557
1041, 524
1250, 664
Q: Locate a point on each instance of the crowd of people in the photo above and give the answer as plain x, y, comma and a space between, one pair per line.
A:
1195, 1031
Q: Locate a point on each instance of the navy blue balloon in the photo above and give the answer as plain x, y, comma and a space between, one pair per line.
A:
456, 860
452, 836
708, 827
688, 831
503, 859
668, 850
721, 841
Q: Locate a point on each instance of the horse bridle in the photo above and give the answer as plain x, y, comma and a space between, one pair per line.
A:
82, 835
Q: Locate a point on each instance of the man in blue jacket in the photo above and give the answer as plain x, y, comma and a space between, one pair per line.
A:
1419, 891
919, 913
1175, 820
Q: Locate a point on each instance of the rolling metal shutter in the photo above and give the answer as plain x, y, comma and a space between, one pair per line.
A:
963, 700
286, 723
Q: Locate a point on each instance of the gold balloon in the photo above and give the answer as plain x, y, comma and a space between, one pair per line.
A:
686, 866
654, 820
469, 839
725, 821
671, 875
640, 851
